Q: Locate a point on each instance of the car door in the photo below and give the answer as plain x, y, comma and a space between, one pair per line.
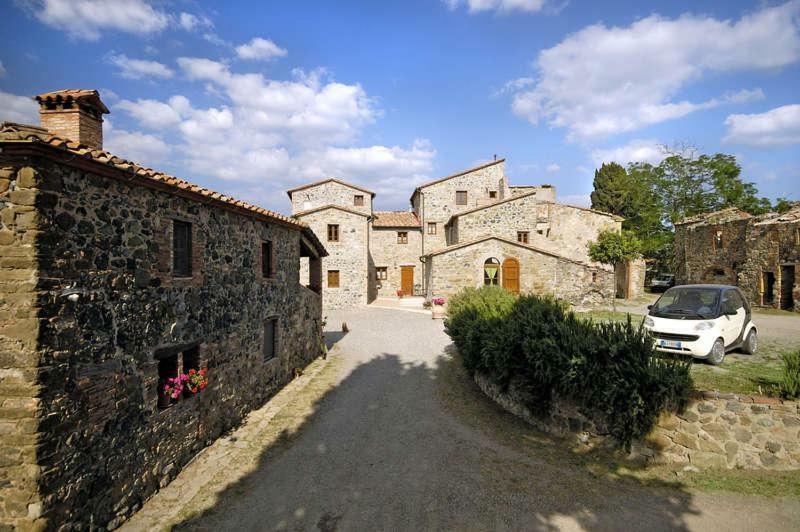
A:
733, 321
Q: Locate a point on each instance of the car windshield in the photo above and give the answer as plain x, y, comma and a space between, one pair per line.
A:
663, 277
687, 303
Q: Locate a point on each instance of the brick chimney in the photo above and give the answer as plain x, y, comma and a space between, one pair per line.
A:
75, 114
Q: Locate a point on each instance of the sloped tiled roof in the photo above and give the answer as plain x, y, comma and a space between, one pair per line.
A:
91, 97
395, 219
790, 216
330, 179
729, 214
457, 174
329, 206
525, 195
20, 133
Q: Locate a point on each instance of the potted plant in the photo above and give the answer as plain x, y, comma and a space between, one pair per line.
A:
173, 387
438, 308
196, 381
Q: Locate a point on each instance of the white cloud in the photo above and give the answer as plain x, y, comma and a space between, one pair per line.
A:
636, 151
553, 167
190, 22
139, 68
262, 49
21, 109
85, 19
155, 114
606, 80
776, 127
144, 149
476, 6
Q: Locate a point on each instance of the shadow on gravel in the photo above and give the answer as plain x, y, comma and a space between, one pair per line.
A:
402, 446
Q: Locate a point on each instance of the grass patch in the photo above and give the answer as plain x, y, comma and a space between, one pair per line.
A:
773, 484
609, 315
739, 375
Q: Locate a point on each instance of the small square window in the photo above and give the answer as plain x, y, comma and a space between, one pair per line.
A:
333, 278
461, 197
270, 347
523, 237
718, 244
431, 228
594, 277
358, 200
267, 266
171, 363
402, 237
381, 273
333, 233
181, 249
493, 194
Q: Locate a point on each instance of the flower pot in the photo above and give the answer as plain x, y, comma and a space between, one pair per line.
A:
438, 312
164, 400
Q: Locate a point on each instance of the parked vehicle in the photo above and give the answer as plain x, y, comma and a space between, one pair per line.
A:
662, 282
704, 320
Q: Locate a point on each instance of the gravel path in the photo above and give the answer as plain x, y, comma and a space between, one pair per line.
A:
384, 450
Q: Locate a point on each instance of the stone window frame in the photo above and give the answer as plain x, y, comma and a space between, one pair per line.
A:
524, 237
381, 273
358, 200
188, 272
432, 228
717, 241
337, 276
333, 233
594, 277
492, 194
272, 320
462, 198
402, 237
175, 356
267, 271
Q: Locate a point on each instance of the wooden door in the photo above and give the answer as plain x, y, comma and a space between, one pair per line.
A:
511, 275
407, 280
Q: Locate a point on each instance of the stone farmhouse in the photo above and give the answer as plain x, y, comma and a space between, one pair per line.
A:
467, 229
114, 278
760, 254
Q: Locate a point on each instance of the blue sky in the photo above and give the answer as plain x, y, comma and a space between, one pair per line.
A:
252, 98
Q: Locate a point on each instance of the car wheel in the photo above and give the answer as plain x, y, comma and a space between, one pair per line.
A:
717, 353
751, 343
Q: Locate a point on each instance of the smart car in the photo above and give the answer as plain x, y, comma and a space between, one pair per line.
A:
704, 320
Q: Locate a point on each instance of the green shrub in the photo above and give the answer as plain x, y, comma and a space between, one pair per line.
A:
790, 380
536, 342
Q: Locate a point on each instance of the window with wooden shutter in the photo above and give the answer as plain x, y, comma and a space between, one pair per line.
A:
381, 273
461, 197
267, 265
333, 233
492, 194
523, 237
431, 228
358, 200
333, 278
181, 249
402, 237
270, 348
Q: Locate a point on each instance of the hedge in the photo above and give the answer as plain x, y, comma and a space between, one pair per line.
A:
611, 369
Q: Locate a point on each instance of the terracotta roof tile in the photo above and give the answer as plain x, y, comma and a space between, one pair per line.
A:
87, 96
395, 219
11, 132
457, 174
725, 215
328, 180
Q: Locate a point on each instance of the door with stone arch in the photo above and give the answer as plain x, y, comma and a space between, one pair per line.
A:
511, 275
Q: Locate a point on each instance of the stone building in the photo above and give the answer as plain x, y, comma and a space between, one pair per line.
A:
113, 278
459, 228
760, 254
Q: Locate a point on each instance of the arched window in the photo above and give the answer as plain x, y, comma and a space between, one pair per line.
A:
491, 269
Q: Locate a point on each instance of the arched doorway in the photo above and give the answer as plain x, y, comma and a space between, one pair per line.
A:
491, 271
511, 275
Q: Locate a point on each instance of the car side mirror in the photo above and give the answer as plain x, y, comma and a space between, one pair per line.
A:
649, 307
730, 311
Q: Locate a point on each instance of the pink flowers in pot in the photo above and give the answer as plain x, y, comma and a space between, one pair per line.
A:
438, 301
174, 386
194, 382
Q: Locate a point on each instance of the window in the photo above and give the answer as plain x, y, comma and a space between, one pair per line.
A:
540, 231
461, 197
431, 228
594, 277
718, 240
522, 237
490, 271
402, 237
174, 361
267, 267
333, 278
181, 249
358, 200
333, 233
270, 347
381, 273
493, 194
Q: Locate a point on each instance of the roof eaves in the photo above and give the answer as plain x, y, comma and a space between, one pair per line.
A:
457, 174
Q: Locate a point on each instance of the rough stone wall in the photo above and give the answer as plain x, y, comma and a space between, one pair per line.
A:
20, 406
438, 201
350, 256
543, 192
386, 252
539, 273
572, 228
698, 261
106, 301
771, 247
720, 431
330, 193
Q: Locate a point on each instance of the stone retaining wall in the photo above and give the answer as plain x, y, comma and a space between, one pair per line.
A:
715, 431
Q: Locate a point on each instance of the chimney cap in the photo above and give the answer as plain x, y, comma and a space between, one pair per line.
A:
88, 97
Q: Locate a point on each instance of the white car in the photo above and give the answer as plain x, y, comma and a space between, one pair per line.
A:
702, 320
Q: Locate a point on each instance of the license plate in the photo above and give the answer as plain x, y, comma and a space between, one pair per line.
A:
672, 344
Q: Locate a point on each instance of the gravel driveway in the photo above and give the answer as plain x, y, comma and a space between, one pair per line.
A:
384, 450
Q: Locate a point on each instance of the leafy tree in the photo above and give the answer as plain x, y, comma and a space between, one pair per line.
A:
785, 204
612, 190
615, 248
